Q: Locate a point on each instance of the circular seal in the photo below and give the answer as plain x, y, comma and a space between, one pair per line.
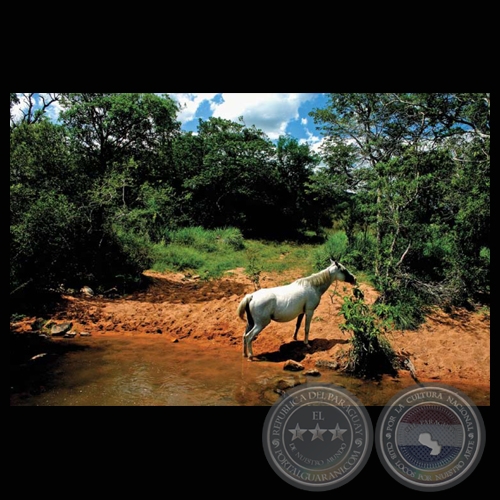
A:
317, 437
430, 437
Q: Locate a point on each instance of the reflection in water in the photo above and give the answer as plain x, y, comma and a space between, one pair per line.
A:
150, 371
145, 371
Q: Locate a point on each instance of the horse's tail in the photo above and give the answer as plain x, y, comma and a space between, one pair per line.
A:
243, 307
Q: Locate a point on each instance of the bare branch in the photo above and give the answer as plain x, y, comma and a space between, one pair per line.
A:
46, 102
31, 113
404, 255
21, 286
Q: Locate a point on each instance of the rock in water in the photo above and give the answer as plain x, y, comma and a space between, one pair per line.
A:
293, 366
37, 324
61, 329
86, 290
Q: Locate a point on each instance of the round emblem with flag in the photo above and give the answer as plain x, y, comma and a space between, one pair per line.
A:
430, 437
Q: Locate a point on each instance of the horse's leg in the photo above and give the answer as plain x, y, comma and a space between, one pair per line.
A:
299, 321
250, 337
309, 315
247, 329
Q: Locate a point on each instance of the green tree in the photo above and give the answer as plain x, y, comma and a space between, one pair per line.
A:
108, 128
342, 184
43, 216
461, 130
295, 165
466, 118
188, 154
420, 163
125, 142
366, 132
233, 186
88, 195
233, 175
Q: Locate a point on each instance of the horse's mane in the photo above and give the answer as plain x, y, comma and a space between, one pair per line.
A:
316, 279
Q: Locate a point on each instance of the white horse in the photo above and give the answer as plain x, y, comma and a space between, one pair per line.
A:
284, 303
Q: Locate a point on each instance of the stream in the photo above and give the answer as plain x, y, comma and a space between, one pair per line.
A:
148, 370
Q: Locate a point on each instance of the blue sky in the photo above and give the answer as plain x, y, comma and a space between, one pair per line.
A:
274, 113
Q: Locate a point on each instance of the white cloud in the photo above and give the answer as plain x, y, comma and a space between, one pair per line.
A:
315, 142
35, 100
190, 103
303, 121
17, 111
270, 112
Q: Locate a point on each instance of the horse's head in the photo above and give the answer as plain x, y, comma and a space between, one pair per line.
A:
340, 273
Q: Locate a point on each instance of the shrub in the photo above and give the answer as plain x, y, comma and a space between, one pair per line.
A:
135, 249
177, 258
361, 254
42, 242
335, 247
371, 354
403, 303
231, 237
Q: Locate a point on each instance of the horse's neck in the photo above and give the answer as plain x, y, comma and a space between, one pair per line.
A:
320, 281
325, 285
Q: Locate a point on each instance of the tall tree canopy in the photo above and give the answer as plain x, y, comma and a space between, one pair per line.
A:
405, 175
423, 160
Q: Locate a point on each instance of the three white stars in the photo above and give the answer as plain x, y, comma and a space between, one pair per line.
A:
317, 433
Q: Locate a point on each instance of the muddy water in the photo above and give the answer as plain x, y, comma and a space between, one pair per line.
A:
148, 370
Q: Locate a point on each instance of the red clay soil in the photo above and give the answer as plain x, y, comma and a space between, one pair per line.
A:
448, 348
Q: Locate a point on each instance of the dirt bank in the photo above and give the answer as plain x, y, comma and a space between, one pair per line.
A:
449, 348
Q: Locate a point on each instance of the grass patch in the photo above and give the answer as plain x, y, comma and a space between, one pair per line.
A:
279, 257
206, 240
484, 311
210, 253
177, 257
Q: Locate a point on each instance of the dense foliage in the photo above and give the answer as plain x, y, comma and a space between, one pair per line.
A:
371, 354
414, 170
403, 177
